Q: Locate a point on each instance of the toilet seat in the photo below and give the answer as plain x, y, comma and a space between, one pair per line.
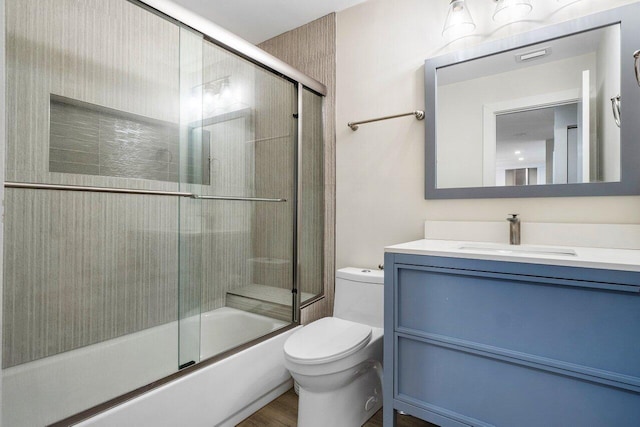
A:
326, 340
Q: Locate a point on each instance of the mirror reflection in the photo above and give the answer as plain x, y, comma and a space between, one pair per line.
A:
543, 114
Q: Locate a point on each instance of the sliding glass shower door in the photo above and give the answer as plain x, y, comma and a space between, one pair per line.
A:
236, 237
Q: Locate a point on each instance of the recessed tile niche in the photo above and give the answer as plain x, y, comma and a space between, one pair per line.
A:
89, 139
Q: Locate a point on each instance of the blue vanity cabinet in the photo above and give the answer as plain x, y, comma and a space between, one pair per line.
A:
472, 342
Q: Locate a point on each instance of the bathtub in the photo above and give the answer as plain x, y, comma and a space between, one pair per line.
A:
223, 393
226, 327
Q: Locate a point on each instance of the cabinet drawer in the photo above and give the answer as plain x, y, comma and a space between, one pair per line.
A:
450, 382
586, 326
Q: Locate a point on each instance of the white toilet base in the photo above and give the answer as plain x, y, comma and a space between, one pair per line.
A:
348, 406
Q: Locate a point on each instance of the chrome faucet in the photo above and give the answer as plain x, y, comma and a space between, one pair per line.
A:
514, 229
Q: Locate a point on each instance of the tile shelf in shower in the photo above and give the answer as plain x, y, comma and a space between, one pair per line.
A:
266, 300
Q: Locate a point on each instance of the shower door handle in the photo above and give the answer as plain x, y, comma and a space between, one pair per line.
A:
615, 106
636, 65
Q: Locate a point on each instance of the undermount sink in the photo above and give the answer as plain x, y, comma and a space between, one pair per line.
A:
516, 249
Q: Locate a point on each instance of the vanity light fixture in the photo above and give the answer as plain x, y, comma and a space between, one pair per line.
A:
511, 10
459, 22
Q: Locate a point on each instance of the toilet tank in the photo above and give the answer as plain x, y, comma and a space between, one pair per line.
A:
359, 296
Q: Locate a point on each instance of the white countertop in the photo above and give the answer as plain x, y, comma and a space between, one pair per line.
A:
610, 259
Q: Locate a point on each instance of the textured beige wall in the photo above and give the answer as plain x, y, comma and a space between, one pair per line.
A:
311, 49
381, 48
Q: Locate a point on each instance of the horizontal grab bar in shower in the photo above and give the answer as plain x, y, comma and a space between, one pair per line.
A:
418, 113
93, 189
248, 199
90, 189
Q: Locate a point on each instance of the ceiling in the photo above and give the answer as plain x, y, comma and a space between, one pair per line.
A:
558, 49
260, 20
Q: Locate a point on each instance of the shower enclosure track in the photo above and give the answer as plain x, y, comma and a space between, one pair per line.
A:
85, 188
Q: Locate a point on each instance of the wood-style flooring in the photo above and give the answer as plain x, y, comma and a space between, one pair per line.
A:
283, 412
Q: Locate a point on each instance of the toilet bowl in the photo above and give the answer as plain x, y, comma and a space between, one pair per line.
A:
337, 361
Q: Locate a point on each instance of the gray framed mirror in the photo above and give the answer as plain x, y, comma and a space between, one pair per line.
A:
553, 112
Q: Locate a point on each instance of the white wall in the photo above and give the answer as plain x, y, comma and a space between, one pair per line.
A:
381, 48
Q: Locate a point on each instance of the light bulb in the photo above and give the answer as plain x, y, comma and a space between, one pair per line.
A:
459, 22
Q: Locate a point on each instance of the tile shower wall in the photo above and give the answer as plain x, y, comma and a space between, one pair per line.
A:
81, 268
110, 53
311, 49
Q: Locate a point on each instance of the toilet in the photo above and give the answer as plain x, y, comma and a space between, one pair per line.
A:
337, 361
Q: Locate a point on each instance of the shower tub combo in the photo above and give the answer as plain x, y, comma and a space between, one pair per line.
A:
163, 220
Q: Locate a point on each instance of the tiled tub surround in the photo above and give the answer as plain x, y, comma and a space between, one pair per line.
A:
84, 268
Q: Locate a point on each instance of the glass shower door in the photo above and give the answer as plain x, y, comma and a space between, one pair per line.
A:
236, 240
90, 257
191, 178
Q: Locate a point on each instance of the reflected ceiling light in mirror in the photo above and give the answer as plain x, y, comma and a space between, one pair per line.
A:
528, 56
459, 22
511, 10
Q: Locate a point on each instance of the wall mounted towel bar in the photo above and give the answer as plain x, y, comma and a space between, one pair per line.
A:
419, 114
239, 198
133, 191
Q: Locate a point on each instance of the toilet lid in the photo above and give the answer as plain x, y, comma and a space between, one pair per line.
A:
326, 340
